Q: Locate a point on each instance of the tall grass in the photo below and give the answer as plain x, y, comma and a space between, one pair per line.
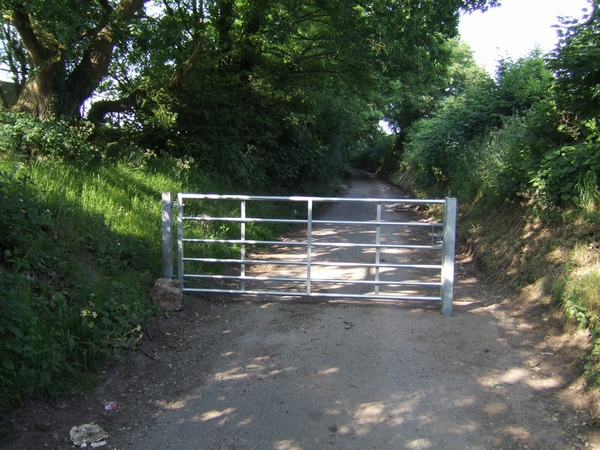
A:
75, 278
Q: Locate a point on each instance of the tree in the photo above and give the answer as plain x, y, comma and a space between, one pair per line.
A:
69, 47
576, 64
273, 90
523, 83
416, 93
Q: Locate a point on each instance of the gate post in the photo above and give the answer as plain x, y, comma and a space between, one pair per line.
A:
448, 247
167, 235
309, 219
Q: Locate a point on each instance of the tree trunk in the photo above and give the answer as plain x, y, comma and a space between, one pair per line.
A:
92, 69
36, 95
50, 91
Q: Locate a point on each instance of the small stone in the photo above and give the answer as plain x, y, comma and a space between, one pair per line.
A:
167, 294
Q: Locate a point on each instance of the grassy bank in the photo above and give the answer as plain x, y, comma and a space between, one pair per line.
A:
525, 246
79, 257
558, 253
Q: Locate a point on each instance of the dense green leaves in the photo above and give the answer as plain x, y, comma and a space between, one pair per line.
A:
576, 63
268, 90
532, 132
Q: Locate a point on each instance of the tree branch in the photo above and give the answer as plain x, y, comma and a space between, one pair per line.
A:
185, 68
100, 109
93, 67
38, 53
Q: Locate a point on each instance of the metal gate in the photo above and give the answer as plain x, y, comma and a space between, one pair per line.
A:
195, 262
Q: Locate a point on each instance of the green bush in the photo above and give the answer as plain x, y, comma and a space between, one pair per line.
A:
563, 168
25, 135
491, 138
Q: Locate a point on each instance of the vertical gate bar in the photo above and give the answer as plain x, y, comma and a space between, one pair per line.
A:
167, 235
448, 246
243, 249
180, 239
308, 245
377, 249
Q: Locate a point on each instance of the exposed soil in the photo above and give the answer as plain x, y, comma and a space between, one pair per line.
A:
241, 373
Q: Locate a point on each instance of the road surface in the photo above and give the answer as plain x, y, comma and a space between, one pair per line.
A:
343, 375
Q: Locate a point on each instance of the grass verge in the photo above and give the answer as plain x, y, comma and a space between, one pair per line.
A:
77, 262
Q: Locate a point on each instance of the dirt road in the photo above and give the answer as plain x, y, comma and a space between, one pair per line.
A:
347, 376
228, 373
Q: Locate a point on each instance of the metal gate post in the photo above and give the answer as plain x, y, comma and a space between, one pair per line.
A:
180, 240
167, 235
309, 245
448, 246
377, 249
243, 247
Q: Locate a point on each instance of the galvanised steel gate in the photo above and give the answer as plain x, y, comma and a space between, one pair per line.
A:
190, 263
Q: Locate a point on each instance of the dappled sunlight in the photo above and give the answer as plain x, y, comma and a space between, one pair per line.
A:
514, 375
464, 402
463, 302
329, 371
420, 443
517, 375
259, 367
236, 373
173, 405
495, 408
465, 428
324, 232
286, 444
267, 305
315, 405
281, 256
541, 384
398, 417
212, 415
369, 415
518, 433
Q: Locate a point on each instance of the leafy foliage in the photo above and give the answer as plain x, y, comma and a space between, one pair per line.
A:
576, 65
268, 94
24, 134
498, 138
23, 221
527, 172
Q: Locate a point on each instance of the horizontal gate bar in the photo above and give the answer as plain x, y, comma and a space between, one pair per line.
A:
303, 263
303, 221
314, 244
412, 201
315, 294
314, 280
